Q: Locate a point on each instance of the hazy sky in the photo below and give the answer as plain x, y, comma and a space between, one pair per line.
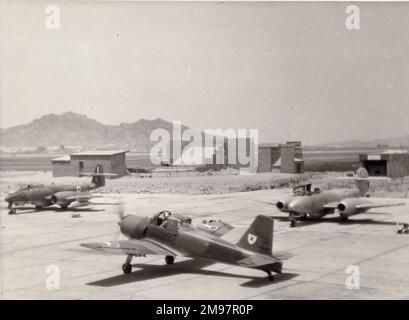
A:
289, 69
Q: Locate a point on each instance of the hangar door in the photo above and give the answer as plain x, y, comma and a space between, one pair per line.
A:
375, 167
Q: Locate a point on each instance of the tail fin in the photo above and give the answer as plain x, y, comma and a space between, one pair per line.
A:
259, 236
362, 182
98, 178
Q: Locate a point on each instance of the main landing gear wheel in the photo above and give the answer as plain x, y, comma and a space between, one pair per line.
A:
304, 218
64, 207
344, 218
293, 224
39, 207
270, 276
170, 259
127, 268
12, 211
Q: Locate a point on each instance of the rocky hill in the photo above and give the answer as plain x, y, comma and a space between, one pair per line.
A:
74, 129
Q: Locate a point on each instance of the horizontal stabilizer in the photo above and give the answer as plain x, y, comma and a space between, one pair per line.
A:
261, 262
97, 174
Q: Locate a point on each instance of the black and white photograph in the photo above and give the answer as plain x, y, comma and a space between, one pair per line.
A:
182, 150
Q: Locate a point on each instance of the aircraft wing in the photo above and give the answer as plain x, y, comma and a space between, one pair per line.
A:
378, 205
266, 202
130, 247
83, 197
331, 205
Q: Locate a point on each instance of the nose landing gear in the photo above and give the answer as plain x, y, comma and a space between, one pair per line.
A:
293, 220
270, 276
127, 267
11, 209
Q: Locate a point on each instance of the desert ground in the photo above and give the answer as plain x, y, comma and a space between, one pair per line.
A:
37, 245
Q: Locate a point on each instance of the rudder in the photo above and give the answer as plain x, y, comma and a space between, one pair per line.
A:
362, 182
259, 236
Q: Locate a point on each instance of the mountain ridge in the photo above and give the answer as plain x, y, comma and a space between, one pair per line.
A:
76, 129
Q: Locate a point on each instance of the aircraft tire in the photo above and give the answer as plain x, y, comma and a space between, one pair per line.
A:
127, 268
170, 259
293, 224
39, 207
270, 278
64, 207
12, 211
344, 218
304, 218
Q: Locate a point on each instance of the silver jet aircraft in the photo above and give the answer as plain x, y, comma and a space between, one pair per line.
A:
305, 204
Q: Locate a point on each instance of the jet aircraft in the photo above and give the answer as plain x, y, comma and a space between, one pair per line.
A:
306, 204
65, 196
171, 235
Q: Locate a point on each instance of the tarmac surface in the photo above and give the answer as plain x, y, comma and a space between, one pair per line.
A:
41, 257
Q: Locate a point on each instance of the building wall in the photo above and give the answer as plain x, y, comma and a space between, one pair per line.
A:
61, 169
118, 164
288, 159
398, 165
291, 151
264, 160
267, 157
90, 162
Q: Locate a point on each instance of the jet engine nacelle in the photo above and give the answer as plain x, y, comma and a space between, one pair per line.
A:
348, 207
282, 205
60, 198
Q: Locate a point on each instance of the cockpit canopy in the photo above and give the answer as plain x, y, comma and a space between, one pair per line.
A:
163, 217
305, 190
25, 187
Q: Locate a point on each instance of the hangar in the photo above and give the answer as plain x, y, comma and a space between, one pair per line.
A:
393, 164
287, 157
113, 161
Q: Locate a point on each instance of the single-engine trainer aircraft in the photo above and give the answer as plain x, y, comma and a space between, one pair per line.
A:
305, 203
171, 234
73, 196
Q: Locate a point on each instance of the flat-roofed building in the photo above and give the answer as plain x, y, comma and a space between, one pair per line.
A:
392, 163
112, 161
288, 157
